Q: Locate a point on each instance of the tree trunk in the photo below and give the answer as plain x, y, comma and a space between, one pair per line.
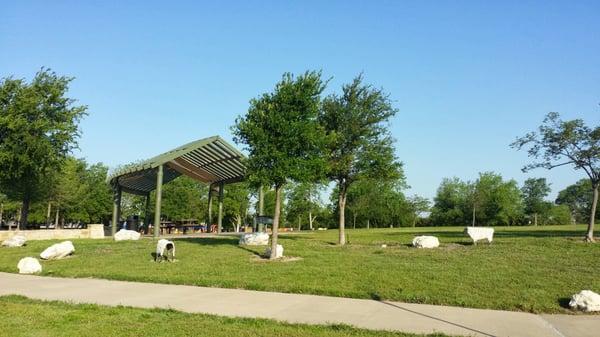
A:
473, 222
275, 222
590, 231
56, 219
368, 223
1, 211
310, 220
24, 213
299, 223
535, 219
353, 220
342, 210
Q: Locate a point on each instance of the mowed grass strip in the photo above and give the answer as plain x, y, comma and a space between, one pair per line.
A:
534, 269
25, 317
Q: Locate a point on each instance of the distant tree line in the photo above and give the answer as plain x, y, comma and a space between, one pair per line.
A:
300, 144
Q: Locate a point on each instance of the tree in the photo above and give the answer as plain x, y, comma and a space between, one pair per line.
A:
38, 128
559, 143
578, 197
418, 205
184, 198
303, 202
534, 191
377, 203
359, 144
283, 137
236, 203
488, 201
452, 205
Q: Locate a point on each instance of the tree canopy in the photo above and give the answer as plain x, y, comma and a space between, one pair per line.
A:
359, 143
559, 143
534, 191
38, 129
284, 140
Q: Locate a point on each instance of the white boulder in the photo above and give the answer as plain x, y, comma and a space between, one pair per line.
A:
425, 241
586, 300
254, 239
126, 234
278, 252
480, 233
165, 249
58, 251
15, 241
29, 265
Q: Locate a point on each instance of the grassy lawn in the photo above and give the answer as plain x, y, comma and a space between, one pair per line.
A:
25, 317
532, 269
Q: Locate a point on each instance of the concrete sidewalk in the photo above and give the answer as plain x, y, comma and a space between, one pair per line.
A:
370, 314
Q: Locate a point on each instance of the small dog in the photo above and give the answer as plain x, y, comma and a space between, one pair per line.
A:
165, 250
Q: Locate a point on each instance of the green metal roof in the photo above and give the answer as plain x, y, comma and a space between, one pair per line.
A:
209, 160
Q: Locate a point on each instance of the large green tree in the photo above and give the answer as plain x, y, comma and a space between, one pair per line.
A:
359, 143
559, 143
534, 191
283, 137
377, 203
303, 203
489, 201
452, 205
236, 204
38, 129
184, 198
578, 197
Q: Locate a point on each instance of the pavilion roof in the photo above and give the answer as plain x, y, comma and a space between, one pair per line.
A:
209, 160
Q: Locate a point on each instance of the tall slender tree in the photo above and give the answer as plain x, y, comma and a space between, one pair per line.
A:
283, 137
359, 143
38, 129
560, 143
534, 191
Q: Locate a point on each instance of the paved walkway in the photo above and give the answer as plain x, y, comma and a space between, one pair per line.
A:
370, 314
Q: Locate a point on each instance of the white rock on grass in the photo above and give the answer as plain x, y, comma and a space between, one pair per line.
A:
480, 233
425, 241
278, 252
15, 241
165, 249
126, 234
254, 239
29, 265
58, 251
586, 300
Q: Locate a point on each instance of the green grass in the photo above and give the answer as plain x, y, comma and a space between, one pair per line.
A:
533, 269
25, 317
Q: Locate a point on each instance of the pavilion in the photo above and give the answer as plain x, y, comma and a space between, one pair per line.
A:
211, 160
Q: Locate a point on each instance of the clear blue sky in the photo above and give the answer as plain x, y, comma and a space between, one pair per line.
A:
466, 77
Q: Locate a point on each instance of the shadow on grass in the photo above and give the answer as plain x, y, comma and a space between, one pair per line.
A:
538, 234
251, 251
232, 241
564, 302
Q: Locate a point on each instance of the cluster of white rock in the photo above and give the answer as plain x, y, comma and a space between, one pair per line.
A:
126, 234
165, 249
586, 300
15, 241
278, 252
31, 265
425, 241
58, 251
480, 233
254, 239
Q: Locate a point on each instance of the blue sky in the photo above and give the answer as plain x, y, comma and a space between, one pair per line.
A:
466, 77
